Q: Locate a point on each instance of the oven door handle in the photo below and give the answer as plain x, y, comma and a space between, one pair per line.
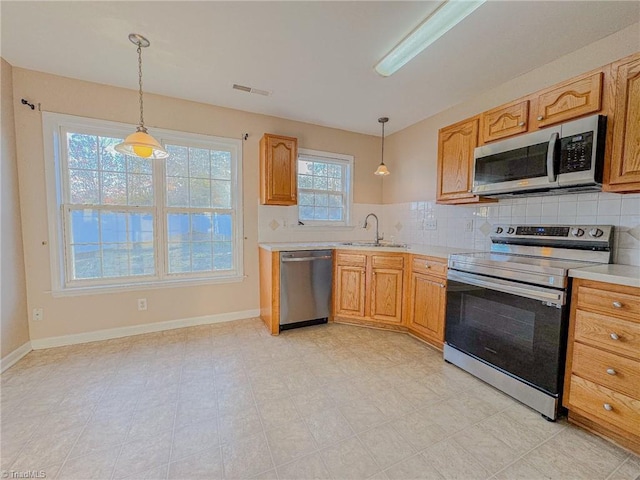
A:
535, 293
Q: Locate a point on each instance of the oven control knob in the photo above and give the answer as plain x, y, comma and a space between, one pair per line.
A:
511, 230
499, 230
595, 232
577, 232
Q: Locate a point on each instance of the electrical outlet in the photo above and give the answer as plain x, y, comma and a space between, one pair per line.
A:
430, 225
468, 226
142, 304
38, 314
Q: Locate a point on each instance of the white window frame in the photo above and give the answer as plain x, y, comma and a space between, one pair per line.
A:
55, 127
337, 158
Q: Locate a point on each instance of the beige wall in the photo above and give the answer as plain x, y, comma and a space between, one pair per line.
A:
14, 327
412, 153
71, 315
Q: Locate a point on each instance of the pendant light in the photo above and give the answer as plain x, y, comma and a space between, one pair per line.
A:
382, 168
140, 143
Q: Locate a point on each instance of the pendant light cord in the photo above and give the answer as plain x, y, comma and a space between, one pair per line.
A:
142, 128
382, 159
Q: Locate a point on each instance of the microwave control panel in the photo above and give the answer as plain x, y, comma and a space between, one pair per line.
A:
576, 153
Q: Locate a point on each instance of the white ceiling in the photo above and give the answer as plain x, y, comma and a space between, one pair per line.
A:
316, 57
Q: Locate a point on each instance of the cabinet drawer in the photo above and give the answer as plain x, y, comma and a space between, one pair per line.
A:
354, 259
619, 336
607, 369
603, 403
387, 261
610, 302
428, 266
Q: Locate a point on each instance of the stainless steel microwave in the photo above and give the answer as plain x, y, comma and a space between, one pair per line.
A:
567, 158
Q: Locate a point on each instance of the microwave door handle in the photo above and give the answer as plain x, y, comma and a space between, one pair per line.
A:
551, 157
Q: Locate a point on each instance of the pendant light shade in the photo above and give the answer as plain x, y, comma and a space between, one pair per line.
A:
140, 143
382, 169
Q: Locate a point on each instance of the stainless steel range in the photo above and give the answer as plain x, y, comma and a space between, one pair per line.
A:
508, 309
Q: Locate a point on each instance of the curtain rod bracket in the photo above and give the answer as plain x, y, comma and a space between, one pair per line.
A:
245, 136
30, 105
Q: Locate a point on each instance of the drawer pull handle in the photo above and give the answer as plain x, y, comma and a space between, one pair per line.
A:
607, 407
611, 371
617, 304
614, 336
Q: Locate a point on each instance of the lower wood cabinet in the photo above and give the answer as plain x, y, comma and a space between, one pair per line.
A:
368, 287
427, 299
602, 379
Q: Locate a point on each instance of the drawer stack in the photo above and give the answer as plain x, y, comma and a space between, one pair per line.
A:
602, 381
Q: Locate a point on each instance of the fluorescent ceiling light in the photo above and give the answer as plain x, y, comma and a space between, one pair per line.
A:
446, 16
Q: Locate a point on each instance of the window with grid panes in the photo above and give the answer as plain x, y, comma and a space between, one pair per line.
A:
324, 188
126, 220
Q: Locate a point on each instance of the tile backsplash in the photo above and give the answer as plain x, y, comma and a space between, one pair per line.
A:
470, 226
426, 223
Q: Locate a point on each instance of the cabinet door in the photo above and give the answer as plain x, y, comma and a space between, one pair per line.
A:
427, 307
278, 168
386, 295
349, 291
625, 158
455, 160
504, 121
580, 97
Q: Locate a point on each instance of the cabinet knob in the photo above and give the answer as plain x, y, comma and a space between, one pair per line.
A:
521, 124
614, 336
617, 304
607, 407
426, 265
611, 371
540, 117
441, 285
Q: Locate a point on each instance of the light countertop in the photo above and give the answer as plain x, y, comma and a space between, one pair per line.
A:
619, 274
427, 250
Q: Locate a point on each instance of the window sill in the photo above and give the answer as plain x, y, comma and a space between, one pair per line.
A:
102, 289
320, 226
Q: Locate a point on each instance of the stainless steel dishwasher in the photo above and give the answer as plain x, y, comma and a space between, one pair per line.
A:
305, 287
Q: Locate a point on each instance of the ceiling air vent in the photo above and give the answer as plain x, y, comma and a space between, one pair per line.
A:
257, 91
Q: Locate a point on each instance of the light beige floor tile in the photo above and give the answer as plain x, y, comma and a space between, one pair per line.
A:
268, 475
349, 459
206, 465
152, 421
516, 435
41, 452
97, 465
520, 470
193, 438
290, 441
556, 465
310, 467
315, 400
156, 473
420, 431
491, 452
392, 403
453, 462
328, 426
531, 419
246, 457
142, 454
362, 414
446, 416
238, 425
275, 413
629, 470
415, 467
386, 445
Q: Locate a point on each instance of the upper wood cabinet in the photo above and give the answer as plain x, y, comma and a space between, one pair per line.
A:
455, 162
504, 121
568, 100
624, 173
278, 168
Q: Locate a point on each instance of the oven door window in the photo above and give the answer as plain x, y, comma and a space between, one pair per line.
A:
519, 335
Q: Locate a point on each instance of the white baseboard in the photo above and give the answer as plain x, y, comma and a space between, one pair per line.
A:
14, 356
108, 334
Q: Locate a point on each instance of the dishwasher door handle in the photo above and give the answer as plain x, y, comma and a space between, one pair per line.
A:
304, 259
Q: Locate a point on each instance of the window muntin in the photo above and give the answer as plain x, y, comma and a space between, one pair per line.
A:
116, 222
324, 188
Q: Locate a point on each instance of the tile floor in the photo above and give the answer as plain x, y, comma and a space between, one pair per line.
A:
230, 401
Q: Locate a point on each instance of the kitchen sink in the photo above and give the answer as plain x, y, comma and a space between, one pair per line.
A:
373, 244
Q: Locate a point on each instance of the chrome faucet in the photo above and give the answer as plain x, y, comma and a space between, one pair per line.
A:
378, 236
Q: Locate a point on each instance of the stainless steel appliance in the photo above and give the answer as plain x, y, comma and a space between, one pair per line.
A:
566, 158
507, 309
305, 287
